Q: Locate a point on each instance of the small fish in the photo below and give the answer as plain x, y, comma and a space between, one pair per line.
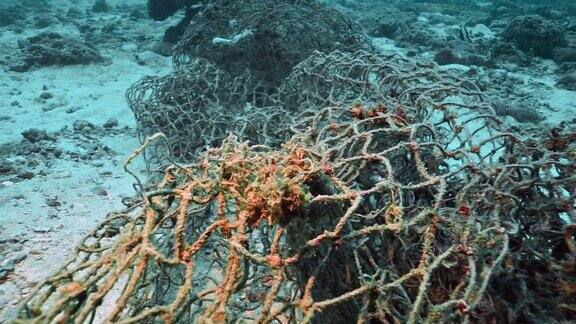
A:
465, 34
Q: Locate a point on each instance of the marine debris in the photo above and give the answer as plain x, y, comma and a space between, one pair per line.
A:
298, 174
403, 199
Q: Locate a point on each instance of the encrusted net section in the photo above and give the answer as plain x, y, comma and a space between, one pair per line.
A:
405, 203
266, 38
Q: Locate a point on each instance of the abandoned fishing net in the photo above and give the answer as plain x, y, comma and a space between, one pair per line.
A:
266, 38
402, 200
198, 105
233, 57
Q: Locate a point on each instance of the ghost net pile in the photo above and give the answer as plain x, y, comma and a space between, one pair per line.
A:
233, 57
396, 200
266, 38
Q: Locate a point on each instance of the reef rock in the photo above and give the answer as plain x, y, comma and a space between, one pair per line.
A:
566, 74
565, 54
535, 35
11, 15
448, 56
46, 49
15, 13
100, 6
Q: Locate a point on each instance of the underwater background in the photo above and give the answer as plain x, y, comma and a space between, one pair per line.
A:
287, 161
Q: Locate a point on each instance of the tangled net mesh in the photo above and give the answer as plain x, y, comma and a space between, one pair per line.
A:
403, 199
215, 85
266, 38
199, 105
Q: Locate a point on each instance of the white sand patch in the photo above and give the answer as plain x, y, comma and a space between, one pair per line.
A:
387, 46
557, 105
94, 92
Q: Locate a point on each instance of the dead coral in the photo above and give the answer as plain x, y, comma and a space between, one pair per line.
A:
12, 15
535, 35
47, 49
